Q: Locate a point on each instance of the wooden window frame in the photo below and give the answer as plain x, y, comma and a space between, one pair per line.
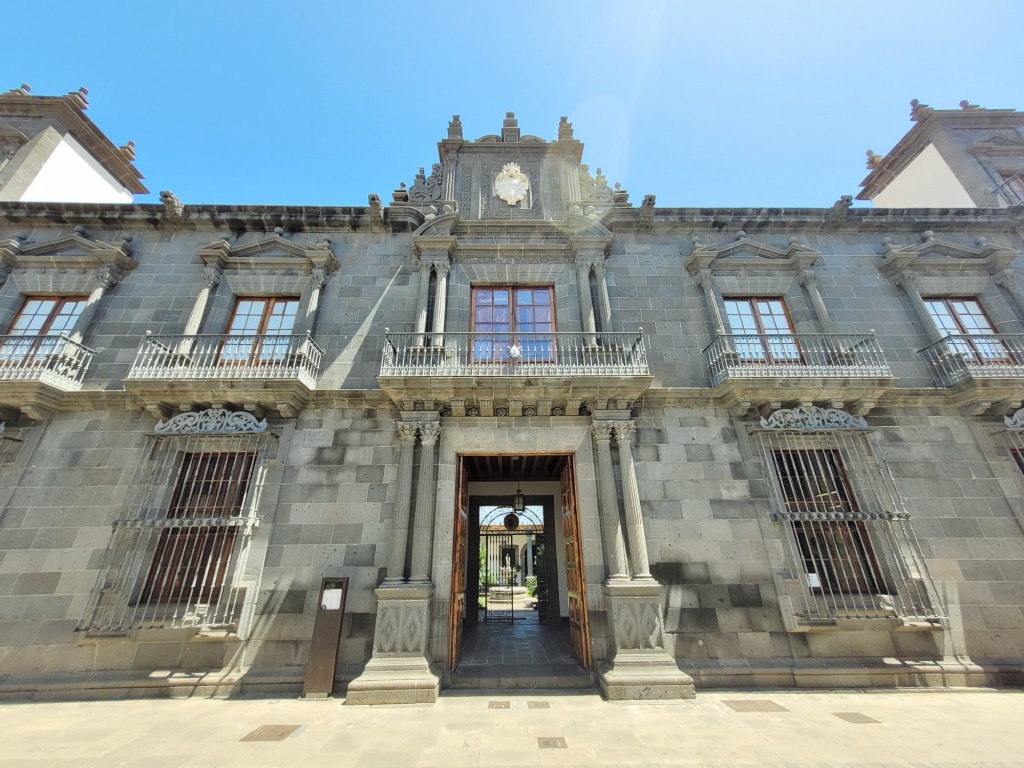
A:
39, 344
493, 346
255, 351
745, 342
973, 349
190, 562
837, 554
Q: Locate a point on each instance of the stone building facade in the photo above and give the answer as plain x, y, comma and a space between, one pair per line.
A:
771, 447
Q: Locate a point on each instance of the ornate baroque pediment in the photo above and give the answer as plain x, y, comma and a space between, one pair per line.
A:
77, 251
932, 254
745, 254
997, 145
212, 421
274, 252
812, 417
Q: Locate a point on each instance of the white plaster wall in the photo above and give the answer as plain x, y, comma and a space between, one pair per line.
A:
72, 175
927, 182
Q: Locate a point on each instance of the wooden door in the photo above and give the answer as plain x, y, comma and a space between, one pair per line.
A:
460, 553
576, 585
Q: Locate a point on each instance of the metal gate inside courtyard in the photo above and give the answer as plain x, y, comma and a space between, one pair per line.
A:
509, 544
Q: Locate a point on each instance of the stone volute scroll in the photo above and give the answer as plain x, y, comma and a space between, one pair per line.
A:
212, 421
812, 417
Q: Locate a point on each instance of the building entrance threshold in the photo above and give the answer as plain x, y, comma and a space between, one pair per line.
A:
522, 655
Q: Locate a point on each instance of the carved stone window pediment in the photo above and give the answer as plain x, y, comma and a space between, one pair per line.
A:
746, 255
932, 254
273, 253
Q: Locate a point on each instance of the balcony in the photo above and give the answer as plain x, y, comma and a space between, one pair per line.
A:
268, 371
534, 370
980, 369
750, 370
37, 371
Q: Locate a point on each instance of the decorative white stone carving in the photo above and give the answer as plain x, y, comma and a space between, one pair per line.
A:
212, 421
511, 185
1015, 421
812, 417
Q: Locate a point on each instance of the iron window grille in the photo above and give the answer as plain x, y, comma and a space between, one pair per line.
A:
178, 553
846, 535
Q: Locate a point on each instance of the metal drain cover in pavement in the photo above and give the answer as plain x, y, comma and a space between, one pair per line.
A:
551, 742
499, 704
755, 705
855, 717
271, 733
538, 705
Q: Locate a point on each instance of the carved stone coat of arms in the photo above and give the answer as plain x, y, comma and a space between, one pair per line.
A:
511, 185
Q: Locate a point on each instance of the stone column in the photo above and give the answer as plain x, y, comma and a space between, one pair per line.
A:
602, 296
615, 548
706, 281
1010, 280
211, 279
441, 269
421, 306
907, 280
586, 305
106, 277
810, 281
309, 302
423, 528
403, 499
631, 499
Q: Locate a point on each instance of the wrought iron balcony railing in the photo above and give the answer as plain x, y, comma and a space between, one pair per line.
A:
795, 355
514, 354
54, 360
956, 359
222, 357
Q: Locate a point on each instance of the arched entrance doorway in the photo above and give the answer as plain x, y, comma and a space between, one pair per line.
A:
518, 603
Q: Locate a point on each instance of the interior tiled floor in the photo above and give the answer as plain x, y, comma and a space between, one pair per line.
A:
524, 641
523, 654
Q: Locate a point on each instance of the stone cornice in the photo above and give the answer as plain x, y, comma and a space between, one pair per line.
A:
693, 221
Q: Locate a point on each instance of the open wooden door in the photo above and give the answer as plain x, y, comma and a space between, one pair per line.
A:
576, 585
460, 553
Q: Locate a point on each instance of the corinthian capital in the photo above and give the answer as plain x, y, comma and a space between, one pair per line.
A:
407, 433
429, 432
601, 431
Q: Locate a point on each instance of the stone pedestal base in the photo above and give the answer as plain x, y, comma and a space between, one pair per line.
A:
641, 669
399, 672
395, 680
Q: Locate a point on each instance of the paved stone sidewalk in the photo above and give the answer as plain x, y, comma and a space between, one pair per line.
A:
981, 729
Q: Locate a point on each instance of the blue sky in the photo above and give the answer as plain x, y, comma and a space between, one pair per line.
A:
702, 104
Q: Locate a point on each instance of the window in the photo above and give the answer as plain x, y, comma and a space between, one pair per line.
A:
965, 321
36, 332
178, 554
512, 323
1012, 186
770, 338
191, 559
848, 551
836, 553
260, 331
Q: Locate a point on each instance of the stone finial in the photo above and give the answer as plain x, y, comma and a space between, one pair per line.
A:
400, 195
455, 128
965, 104
24, 90
128, 150
648, 202
564, 129
172, 205
919, 111
510, 129
81, 231
874, 159
79, 98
